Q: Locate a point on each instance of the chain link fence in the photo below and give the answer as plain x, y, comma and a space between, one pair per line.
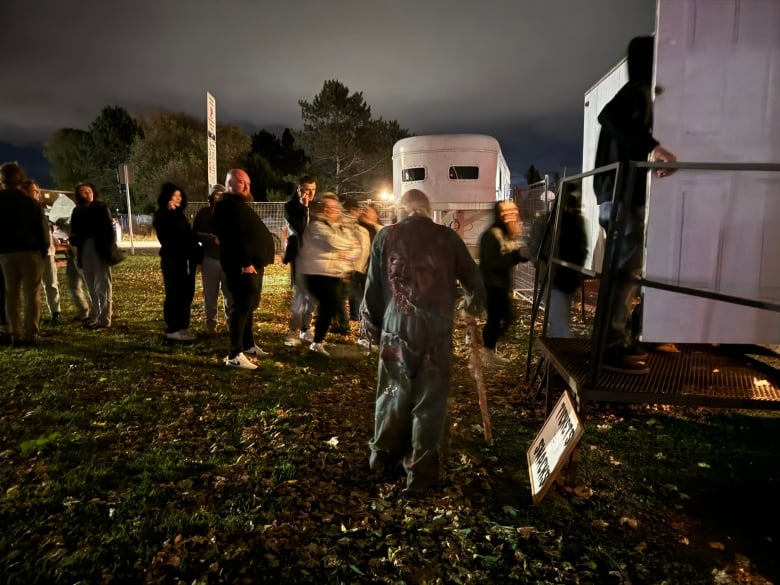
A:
532, 201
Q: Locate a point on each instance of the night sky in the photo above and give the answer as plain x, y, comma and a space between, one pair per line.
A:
513, 69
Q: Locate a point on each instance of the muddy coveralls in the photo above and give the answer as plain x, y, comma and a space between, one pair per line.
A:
408, 307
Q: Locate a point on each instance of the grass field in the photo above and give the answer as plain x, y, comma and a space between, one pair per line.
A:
126, 459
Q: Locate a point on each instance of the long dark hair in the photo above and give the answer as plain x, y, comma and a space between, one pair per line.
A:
166, 192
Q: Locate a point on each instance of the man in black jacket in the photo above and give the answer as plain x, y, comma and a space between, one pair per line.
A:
626, 125
246, 248
296, 213
24, 243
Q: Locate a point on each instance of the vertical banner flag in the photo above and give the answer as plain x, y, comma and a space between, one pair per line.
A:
211, 138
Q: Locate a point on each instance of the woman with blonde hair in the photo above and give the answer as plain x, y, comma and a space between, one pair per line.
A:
325, 257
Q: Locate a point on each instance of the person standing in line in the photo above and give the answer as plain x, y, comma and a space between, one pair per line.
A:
626, 135
74, 277
408, 308
296, 213
356, 279
24, 243
92, 235
499, 252
180, 255
572, 248
369, 219
246, 247
51, 284
327, 255
211, 269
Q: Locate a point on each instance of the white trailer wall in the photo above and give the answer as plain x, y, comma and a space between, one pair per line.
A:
718, 62
595, 99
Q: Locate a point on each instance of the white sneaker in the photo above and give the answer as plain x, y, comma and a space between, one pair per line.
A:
318, 348
256, 351
180, 335
306, 336
240, 361
364, 343
292, 340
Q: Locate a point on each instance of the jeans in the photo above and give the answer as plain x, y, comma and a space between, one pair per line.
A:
559, 313
628, 266
214, 277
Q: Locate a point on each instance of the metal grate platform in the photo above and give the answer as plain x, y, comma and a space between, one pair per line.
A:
701, 375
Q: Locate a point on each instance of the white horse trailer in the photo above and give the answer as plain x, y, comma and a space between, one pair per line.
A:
463, 175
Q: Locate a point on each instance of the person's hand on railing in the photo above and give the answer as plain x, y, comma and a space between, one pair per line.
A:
660, 154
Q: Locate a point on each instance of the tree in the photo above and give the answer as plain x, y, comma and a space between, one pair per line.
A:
273, 164
111, 135
173, 148
349, 149
66, 152
532, 175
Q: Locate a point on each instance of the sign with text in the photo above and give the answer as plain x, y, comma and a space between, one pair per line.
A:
553, 445
211, 138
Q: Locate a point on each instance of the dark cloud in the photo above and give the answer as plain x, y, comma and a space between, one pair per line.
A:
515, 69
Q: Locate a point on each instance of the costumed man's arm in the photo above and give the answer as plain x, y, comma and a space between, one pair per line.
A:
372, 309
470, 278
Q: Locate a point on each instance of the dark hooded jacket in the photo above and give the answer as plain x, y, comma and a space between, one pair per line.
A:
297, 216
177, 240
572, 241
626, 124
243, 237
21, 224
94, 222
498, 254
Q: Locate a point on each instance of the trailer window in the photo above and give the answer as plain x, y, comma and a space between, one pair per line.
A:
463, 173
413, 174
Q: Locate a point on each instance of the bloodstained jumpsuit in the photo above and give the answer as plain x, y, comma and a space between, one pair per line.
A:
411, 292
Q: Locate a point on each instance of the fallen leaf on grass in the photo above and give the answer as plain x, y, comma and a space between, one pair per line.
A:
683, 540
631, 522
599, 524
716, 545
583, 491
526, 531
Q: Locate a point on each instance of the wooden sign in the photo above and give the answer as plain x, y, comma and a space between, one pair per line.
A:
553, 445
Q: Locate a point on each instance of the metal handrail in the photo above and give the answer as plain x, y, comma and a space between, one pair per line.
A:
615, 232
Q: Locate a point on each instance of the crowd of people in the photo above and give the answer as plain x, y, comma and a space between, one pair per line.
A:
400, 282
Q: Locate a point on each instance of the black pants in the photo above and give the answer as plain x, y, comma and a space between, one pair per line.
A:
621, 328
2, 299
246, 290
356, 288
179, 279
499, 315
326, 290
